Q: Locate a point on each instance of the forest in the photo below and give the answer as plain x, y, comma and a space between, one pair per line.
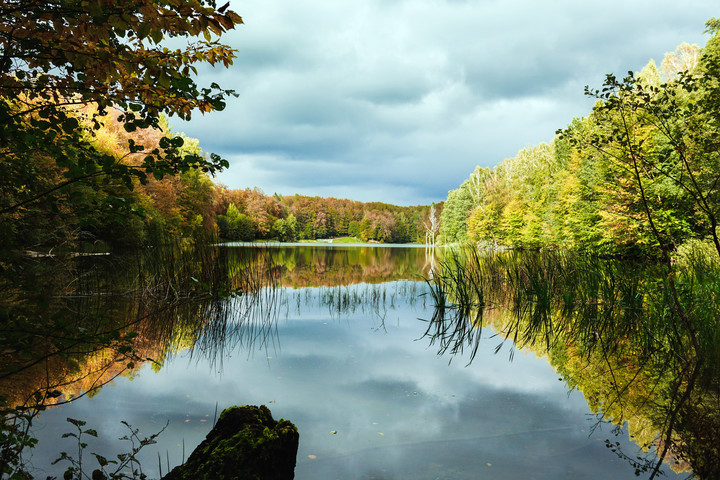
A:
603, 243
591, 187
638, 175
107, 212
88, 160
89, 163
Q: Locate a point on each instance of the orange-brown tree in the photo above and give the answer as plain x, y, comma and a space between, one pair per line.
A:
59, 56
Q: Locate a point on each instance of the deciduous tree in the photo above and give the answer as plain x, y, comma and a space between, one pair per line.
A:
60, 55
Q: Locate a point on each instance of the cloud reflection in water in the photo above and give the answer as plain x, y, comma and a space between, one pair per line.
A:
399, 410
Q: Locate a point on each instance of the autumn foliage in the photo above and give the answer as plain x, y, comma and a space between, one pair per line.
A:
72, 72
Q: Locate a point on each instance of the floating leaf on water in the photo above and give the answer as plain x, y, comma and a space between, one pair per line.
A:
334, 432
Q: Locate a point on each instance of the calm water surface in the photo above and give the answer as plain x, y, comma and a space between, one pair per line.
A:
344, 358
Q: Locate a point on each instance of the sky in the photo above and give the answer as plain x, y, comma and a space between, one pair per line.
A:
398, 101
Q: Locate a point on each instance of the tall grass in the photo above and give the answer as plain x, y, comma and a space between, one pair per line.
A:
100, 313
546, 295
91, 319
650, 327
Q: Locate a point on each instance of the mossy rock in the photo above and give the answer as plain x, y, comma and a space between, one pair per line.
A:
245, 444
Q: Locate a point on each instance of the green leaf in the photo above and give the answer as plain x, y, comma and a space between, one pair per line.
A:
101, 460
143, 29
77, 423
157, 35
70, 124
98, 474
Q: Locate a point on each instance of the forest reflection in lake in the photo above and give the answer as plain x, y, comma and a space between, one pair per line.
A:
639, 339
347, 361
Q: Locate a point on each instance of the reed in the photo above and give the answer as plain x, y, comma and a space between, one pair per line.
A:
641, 326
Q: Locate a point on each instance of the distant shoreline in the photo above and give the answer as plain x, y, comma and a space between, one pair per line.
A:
321, 244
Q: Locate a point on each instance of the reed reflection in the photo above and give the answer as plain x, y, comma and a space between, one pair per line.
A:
73, 325
77, 323
611, 328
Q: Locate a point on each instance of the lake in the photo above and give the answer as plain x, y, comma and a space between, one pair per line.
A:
337, 339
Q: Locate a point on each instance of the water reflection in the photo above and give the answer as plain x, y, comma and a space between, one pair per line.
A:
184, 297
314, 265
97, 318
329, 338
613, 330
399, 410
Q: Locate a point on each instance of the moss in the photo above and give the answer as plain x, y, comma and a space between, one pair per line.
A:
246, 443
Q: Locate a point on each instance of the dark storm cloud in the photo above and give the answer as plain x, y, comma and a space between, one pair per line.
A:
399, 101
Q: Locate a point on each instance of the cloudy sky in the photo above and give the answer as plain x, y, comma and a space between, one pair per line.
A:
398, 100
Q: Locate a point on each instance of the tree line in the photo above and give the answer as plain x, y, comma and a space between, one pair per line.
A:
112, 211
640, 174
246, 215
108, 211
86, 153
